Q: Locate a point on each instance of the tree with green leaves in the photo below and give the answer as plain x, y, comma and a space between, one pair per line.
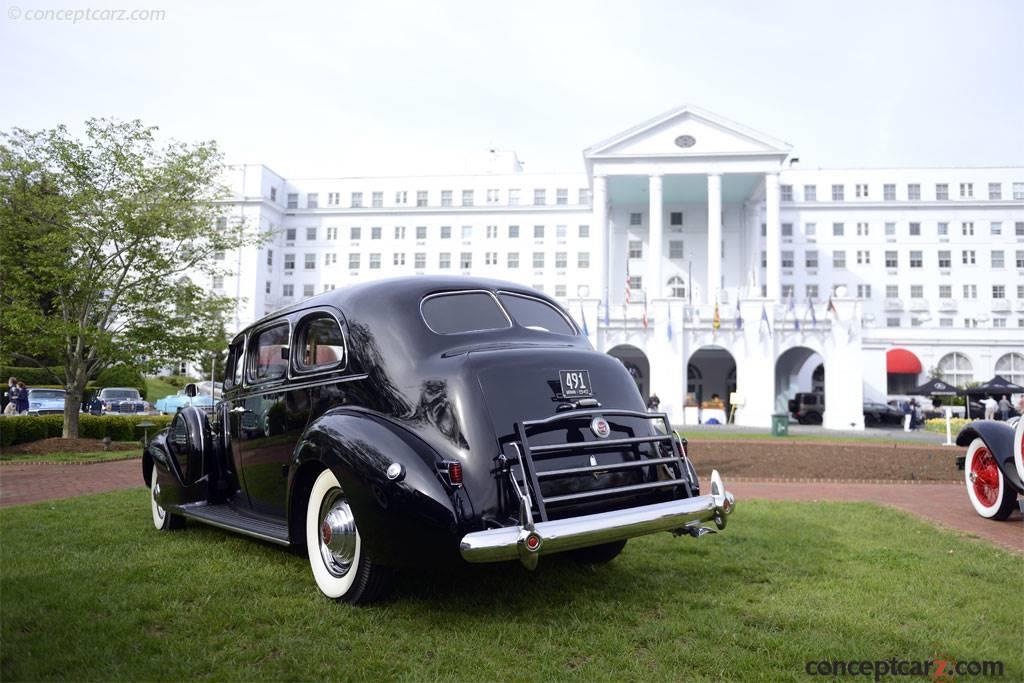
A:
106, 242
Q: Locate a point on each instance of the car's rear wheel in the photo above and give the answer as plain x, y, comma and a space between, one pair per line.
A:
987, 488
598, 554
162, 519
341, 566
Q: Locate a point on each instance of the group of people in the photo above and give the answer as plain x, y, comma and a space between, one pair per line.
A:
16, 398
913, 415
1002, 406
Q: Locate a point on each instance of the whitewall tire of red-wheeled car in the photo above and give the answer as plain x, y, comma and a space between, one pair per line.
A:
987, 488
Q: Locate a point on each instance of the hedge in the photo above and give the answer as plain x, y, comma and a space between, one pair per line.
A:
25, 428
29, 375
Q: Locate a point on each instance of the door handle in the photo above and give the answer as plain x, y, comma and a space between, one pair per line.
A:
239, 409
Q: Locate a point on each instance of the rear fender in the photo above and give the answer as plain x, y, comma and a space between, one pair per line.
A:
999, 439
401, 521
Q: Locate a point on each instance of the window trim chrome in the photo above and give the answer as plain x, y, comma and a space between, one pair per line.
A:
456, 292
250, 379
295, 370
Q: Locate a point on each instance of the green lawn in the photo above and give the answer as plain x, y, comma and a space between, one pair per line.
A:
157, 389
109, 598
96, 456
709, 435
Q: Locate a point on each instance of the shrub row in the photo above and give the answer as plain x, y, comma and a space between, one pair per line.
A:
25, 428
29, 375
117, 376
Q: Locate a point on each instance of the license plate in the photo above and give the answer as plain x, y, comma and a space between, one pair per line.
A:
575, 383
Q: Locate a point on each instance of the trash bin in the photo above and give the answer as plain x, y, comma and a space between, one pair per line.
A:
780, 425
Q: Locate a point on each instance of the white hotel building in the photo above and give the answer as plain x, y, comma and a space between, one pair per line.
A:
924, 267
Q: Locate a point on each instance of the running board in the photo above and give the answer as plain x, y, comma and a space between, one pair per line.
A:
227, 517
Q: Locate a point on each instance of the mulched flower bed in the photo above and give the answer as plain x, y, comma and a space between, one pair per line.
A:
44, 446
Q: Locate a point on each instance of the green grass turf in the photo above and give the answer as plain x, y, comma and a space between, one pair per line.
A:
157, 389
708, 435
90, 591
96, 456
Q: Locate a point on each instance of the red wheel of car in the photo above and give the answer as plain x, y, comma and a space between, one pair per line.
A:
1018, 448
986, 486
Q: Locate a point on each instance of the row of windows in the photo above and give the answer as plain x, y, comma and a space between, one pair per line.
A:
915, 258
444, 260
422, 198
995, 323
308, 290
444, 232
913, 229
864, 291
911, 192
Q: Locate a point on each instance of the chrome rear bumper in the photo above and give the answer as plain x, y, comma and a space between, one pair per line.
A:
528, 542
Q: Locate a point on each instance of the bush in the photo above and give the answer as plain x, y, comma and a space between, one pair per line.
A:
938, 424
25, 428
122, 376
178, 381
31, 376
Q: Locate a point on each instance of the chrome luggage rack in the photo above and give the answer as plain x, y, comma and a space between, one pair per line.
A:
526, 487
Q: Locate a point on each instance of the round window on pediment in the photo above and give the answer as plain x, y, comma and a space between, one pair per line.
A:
685, 141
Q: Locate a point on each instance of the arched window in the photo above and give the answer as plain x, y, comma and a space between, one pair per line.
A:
956, 369
1011, 367
677, 287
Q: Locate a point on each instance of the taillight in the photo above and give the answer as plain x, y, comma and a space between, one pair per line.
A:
451, 471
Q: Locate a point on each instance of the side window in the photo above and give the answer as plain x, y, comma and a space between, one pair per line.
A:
269, 353
233, 371
319, 343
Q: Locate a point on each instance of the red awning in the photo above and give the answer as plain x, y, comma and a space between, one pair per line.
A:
902, 362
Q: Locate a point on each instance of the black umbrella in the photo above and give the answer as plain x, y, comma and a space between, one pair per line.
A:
936, 387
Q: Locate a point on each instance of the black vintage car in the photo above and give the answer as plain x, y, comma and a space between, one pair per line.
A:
420, 420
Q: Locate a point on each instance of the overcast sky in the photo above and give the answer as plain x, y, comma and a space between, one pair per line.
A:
382, 87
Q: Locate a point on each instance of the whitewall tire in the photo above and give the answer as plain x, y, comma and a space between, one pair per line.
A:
162, 519
1018, 448
987, 488
340, 566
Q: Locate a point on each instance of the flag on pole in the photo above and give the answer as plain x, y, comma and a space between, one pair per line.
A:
583, 316
645, 309
764, 319
668, 309
716, 322
792, 309
606, 305
739, 315
625, 305
814, 317
832, 309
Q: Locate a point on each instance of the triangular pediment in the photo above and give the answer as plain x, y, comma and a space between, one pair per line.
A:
688, 131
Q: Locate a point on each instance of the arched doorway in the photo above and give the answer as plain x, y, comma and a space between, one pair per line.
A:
637, 365
800, 370
710, 373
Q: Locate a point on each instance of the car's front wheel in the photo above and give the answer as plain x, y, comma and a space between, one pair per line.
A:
162, 519
341, 566
987, 488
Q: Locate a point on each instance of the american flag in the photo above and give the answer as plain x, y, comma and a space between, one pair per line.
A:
625, 306
645, 309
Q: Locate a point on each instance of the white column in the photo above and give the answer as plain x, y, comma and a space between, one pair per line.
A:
772, 245
714, 237
601, 232
653, 283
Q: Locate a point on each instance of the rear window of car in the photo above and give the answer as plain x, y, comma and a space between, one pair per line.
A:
320, 343
462, 312
40, 394
535, 314
270, 353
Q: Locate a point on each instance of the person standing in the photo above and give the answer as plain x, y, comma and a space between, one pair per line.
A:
990, 408
12, 397
908, 415
1004, 408
22, 405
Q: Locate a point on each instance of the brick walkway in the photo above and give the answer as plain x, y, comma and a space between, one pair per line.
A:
944, 504
21, 484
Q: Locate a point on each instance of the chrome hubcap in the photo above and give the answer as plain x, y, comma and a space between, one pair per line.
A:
337, 534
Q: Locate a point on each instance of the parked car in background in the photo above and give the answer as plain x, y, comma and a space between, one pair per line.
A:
881, 414
169, 405
426, 420
808, 408
122, 401
46, 401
